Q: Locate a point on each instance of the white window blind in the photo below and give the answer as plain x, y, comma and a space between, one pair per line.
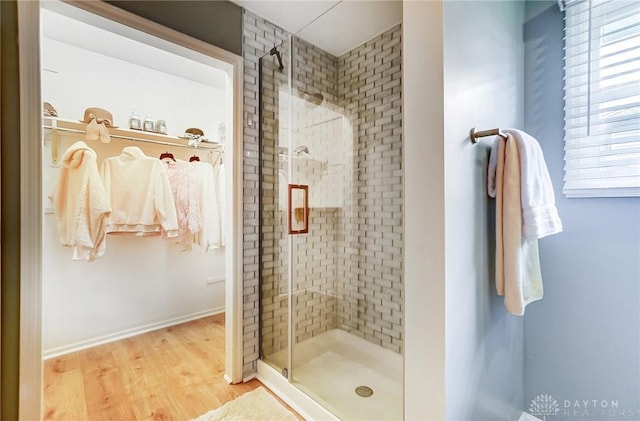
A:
602, 98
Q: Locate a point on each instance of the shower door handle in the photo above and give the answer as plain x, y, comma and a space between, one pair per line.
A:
298, 209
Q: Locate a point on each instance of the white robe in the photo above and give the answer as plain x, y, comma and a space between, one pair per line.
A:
81, 203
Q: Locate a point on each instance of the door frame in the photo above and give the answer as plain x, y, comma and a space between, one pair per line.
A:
31, 381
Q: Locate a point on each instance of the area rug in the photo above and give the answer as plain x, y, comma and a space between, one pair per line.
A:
257, 405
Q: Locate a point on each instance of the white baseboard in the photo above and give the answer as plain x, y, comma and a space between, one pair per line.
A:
250, 377
244, 379
127, 333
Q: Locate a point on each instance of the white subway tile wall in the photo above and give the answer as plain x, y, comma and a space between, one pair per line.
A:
370, 274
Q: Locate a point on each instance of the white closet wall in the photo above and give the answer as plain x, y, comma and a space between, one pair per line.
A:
140, 283
74, 79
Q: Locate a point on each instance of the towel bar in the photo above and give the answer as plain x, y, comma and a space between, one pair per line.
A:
474, 135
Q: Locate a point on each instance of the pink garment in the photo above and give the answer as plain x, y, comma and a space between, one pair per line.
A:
185, 198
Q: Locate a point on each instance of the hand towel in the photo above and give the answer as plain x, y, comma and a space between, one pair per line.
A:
518, 275
539, 214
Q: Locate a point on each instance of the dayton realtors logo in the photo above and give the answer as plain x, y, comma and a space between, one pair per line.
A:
546, 405
597, 408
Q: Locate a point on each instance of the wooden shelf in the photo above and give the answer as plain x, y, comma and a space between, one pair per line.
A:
78, 129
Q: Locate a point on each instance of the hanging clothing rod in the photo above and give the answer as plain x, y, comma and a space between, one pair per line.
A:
137, 139
476, 134
55, 128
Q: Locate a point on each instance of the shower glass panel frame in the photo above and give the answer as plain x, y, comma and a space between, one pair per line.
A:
274, 172
331, 296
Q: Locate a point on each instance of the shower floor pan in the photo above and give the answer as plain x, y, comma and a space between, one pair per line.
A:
330, 367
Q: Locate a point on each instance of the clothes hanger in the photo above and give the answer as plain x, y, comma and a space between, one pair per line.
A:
194, 158
167, 155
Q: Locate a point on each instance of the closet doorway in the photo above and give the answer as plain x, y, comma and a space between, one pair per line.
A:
95, 55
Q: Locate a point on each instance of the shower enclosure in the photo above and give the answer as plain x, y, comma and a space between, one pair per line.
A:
331, 245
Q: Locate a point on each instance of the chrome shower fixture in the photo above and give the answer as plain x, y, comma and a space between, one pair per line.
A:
315, 98
274, 51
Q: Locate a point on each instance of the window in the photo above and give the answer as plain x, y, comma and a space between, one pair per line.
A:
602, 98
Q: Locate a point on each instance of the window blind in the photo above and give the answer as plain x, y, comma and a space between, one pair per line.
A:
602, 98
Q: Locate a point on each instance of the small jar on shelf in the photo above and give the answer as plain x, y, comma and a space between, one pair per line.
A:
135, 123
161, 126
149, 124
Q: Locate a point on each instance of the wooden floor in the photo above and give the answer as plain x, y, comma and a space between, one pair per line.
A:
174, 373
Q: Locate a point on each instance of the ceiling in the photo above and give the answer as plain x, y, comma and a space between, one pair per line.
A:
75, 27
334, 26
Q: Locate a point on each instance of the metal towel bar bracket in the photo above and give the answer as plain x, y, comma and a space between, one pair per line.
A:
476, 134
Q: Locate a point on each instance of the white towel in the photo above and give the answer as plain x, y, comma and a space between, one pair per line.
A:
518, 275
539, 214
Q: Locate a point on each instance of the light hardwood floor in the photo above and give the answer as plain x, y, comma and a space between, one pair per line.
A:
174, 373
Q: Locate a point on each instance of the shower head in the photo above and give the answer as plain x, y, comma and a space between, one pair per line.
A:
315, 98
274, 51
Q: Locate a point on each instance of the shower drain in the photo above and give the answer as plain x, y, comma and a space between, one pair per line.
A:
364, 391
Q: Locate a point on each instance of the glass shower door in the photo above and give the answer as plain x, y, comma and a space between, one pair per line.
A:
274, 175
321, 158
331, 237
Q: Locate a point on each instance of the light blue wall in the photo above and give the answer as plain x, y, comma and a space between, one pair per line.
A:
483, 87
582, 341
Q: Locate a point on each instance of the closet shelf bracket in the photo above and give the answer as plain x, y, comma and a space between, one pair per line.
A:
54, 143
